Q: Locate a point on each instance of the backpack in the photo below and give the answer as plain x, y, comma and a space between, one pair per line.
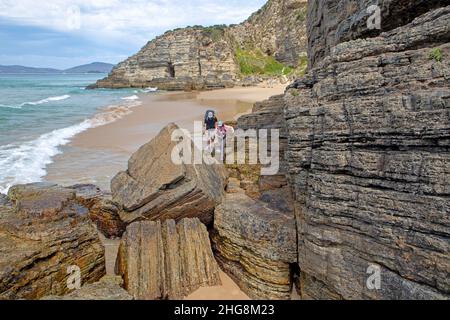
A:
208, 112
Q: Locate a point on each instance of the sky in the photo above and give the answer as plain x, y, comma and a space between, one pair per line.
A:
65, 33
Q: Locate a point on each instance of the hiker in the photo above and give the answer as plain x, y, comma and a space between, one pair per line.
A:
222, 131
210, 126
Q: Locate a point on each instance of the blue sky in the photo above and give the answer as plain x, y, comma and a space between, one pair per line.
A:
65, 33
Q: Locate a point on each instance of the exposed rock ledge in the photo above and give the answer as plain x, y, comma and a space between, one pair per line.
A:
255, 245
44, 230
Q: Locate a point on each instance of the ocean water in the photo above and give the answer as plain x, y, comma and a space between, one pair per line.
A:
39, 114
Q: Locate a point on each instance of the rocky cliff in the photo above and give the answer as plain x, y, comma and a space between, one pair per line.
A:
199, 57
365, 149
368, 161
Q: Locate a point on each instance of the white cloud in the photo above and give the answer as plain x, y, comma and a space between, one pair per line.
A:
132, 21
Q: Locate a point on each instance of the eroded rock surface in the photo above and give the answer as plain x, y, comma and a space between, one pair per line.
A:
331, 22
43, 232
255, 245
102, 210
108, 288
155, 188
165, 260
369, 159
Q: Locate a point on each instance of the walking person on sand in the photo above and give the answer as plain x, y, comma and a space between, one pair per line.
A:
222, 131
210, 126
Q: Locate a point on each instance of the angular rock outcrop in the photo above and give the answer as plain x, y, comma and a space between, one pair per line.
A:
369, 157
165, 260
155, 188
44, 232
196, 58
102, 210
255, 245
108, 288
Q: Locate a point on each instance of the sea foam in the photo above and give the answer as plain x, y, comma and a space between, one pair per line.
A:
27, 162
36, 103
131, 98
46, 100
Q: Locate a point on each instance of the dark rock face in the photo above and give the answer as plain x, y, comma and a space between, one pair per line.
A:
155, 188
331, 22
45, 231
255, 245
166, 260
369, 157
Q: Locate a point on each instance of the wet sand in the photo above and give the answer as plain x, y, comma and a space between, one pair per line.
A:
96, 155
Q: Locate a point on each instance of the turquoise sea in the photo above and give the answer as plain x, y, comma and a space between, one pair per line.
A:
39, 114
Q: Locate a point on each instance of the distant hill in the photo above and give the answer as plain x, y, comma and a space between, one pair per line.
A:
22, 69
95, 67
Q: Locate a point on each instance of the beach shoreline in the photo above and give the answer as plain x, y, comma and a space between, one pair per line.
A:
94, 156
116, 141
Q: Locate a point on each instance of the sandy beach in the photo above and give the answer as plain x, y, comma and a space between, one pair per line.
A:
96, 155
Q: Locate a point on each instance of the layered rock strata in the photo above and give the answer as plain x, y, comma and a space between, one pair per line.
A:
331, 22
369, 160
184, 59
156, 188
44, 233
165, 260
255, 245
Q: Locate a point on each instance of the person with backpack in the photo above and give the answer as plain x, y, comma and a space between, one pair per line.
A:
210, 125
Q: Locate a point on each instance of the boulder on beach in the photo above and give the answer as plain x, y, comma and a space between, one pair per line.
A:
45, 238
156, 188
255, 245
166, 260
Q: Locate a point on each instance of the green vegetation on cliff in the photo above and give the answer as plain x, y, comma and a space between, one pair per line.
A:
436, 54
255, 62
216, 33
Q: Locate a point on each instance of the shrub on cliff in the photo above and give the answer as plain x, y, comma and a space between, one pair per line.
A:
255, 62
